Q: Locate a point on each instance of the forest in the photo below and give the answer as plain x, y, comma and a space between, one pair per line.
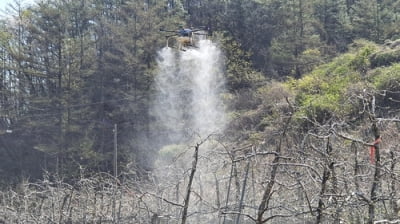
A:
310, 112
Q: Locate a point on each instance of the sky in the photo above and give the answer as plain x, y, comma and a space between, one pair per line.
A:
4, 3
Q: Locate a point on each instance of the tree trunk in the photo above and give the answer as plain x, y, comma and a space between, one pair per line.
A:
377, 176
189, 186
243, 193
325, 178
393, 193
262, 208
377, 173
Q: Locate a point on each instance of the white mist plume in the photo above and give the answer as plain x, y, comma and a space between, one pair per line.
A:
188, 86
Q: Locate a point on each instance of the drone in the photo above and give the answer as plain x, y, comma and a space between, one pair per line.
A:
186, 38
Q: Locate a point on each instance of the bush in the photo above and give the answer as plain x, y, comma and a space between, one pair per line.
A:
387, 78
361, 61
387, 82
385, 58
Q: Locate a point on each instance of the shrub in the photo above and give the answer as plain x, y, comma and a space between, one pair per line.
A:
320, 94
385, 58
361, 61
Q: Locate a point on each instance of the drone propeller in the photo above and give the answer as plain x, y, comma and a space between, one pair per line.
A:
168, 36
197, 33
169, 31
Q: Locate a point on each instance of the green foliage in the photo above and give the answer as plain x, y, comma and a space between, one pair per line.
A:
361, 60
387, 78
375, 20
4, 38
240, 74
254, 25
366, 20
81, 67
332, 19
319, 94
325, 92
385, 58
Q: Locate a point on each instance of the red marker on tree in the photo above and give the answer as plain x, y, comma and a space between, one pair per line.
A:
372, 149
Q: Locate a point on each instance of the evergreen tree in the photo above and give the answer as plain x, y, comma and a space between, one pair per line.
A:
376, 20
332, 18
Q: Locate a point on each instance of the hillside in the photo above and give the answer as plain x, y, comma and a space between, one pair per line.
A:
335, 129
101, 122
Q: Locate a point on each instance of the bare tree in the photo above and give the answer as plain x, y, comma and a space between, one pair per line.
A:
189, 186
268, 191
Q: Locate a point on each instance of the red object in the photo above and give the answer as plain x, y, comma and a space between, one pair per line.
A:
372, 154
372, 150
